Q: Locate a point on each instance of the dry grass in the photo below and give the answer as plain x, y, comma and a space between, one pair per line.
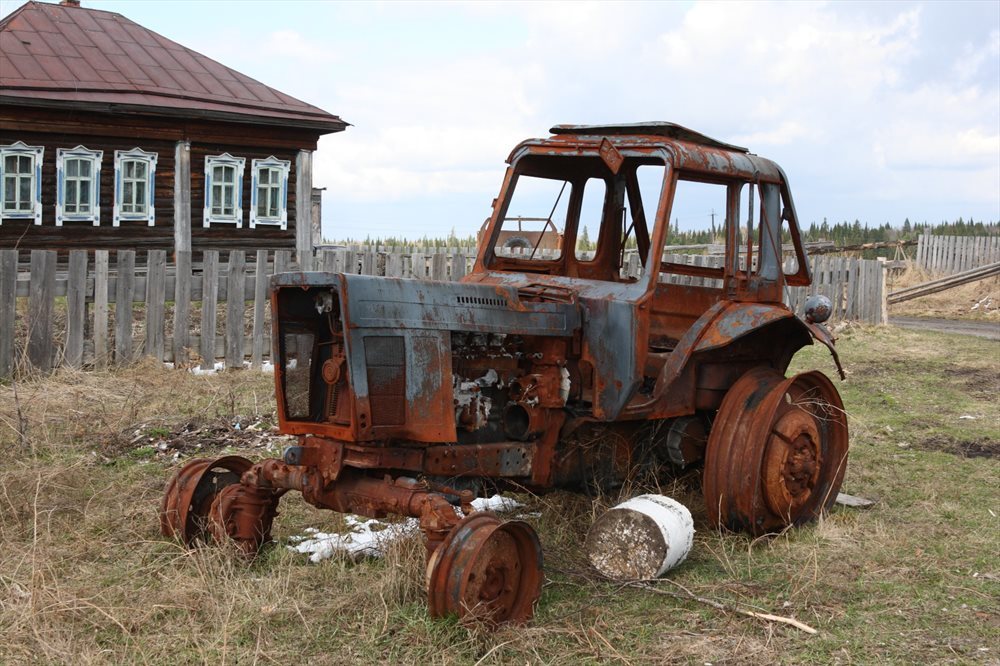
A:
86, 578
976, 300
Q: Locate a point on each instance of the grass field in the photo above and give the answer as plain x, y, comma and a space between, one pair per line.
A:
85, 576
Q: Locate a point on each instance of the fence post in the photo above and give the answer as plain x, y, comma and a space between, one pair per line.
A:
124, 293
156, 296
259, 312
182, 306
40, 303
235, 305
883, 296
8, 308
209, 302
101, 269
76, 307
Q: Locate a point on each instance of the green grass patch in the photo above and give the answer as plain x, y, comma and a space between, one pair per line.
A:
85, 576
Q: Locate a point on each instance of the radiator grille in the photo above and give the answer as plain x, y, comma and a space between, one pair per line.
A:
385, 358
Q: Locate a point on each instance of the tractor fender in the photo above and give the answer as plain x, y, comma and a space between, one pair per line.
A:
722, 325
737, 320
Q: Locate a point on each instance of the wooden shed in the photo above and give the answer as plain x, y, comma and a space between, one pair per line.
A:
114, 137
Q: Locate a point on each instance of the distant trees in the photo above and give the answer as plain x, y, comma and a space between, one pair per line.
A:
841, 233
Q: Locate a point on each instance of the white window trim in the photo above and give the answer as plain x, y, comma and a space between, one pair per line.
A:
140, 155
36, 153
285, 167
95, 157
225, 159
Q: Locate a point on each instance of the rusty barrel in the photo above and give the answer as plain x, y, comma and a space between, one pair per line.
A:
641, 538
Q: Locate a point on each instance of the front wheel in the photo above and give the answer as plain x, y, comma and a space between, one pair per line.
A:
776, 453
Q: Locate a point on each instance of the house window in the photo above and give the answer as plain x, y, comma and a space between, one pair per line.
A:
224, 190
78, 181
269, 201
134, 178
21, 175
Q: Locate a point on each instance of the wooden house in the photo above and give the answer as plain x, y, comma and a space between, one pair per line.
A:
112, 137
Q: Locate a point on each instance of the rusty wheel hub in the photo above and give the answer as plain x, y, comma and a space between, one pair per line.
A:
777, 452
792, 461
486, 570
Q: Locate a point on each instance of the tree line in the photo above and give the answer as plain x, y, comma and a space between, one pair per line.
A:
839, 233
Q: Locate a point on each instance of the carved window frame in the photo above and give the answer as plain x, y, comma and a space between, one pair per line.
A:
36, 153
84, 154
237, 164
283, 169
149, 159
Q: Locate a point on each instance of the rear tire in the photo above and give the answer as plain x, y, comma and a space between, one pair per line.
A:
776, 453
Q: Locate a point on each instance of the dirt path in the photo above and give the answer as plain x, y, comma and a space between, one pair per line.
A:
981, 329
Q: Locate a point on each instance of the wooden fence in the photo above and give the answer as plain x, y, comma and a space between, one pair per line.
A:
103, 308
945, 255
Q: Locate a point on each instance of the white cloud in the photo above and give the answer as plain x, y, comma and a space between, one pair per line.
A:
875, 111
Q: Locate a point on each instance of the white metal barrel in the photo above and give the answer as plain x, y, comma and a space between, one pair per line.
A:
643, 537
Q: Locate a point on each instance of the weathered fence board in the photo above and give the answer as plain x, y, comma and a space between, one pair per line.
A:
156, 292
8, 310
209, 303
180, 342
235, 303
76, 308
166, 292
41, 350
102, 262
124, 295
259, 310
946, 255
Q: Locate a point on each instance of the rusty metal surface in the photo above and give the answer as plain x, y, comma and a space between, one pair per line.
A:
664, 129
486, 570
188, 499
60, 53
412, 396
777, 452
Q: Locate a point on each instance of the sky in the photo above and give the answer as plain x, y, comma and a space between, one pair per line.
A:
876, 111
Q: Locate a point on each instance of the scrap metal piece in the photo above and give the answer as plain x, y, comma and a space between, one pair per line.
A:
243, 515
190, 493
486, 571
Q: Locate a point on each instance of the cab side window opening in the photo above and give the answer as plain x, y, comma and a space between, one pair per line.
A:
697, 221
595, 192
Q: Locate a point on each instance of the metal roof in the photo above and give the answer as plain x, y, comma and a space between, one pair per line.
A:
54, 55
656, 128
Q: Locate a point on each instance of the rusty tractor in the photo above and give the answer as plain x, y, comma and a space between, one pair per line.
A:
412, 397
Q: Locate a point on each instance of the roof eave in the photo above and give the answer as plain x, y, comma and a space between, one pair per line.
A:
321, 126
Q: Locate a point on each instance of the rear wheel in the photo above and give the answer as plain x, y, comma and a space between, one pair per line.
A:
777, 452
